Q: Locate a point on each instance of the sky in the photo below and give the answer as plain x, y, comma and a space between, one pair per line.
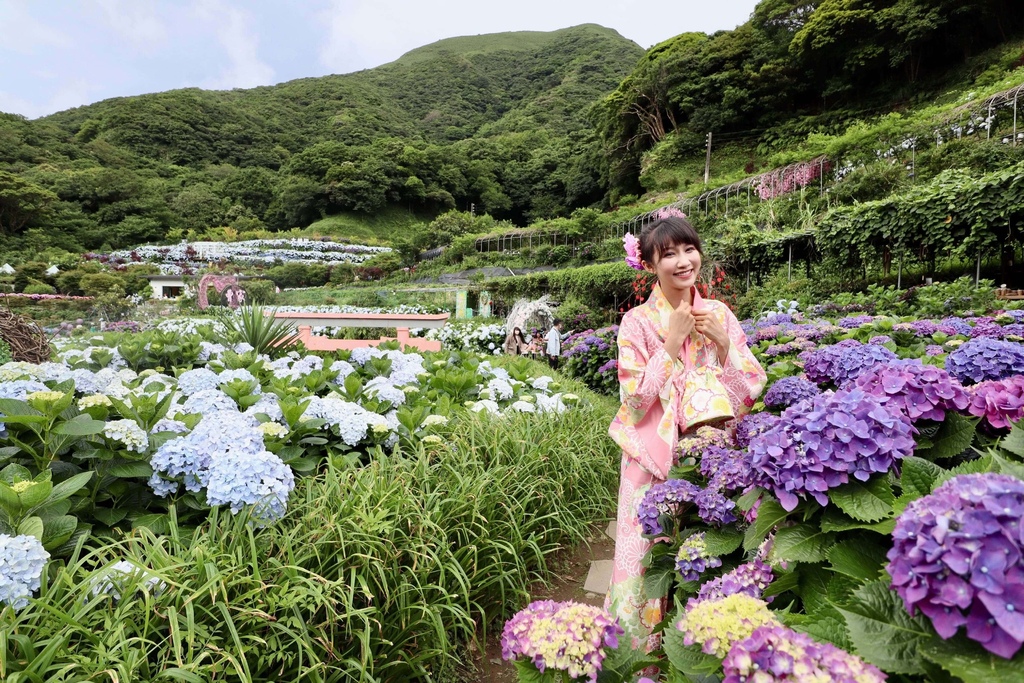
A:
59, 54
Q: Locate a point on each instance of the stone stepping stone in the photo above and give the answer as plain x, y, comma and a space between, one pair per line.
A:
610, 532
599, 578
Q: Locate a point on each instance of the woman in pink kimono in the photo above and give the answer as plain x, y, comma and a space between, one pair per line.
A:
660, 341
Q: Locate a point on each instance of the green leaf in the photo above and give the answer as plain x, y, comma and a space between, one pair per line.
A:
110, 517
834, 520
800, 543
722, 541
158, 524
527, 672
977, 466
9, 500
31, 526
858, 559
969, 661
1014, 441
36, 493
954, 437
687, 658
825, 629
14, 473
919, 475
69, 487
127, 470
769, 515
786, 582
58, 530
83, 425
658, 582
866, 502
882, 632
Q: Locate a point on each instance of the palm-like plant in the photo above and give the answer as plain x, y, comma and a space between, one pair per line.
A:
254, 325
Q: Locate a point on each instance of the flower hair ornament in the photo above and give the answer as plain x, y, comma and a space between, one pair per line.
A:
632, 244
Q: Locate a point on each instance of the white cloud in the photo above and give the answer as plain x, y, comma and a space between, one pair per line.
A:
24, 33
136, 21
235, 31
70, 94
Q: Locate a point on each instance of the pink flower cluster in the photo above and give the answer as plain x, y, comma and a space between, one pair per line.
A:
784, 180
998, 401
45, 297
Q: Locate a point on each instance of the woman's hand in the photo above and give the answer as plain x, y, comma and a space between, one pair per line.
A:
680, 323
708, 324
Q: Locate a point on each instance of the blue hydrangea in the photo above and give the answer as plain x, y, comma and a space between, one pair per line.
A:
239, 478
790, 390
115, 579
22, 561
269, 406
200, 379
20, 388
343, 368
983, 359
169, 425
348, 420
241, 374
208, 401
208, 350
382, 389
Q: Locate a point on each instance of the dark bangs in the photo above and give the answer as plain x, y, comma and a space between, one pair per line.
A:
663, 234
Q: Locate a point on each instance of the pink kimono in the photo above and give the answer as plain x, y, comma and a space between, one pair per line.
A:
647, 428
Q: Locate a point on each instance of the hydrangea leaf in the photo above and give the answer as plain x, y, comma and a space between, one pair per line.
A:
126, 470
781, 584
689, 659
158, 524
954, 437
657, 582
977, 466
867, 502
58, 530
528, 673
622, 662
824, 628
882, 632
82, 425
969, 661
800, 543
857, 559
919, 475
834, 520
1014, 441
722, 541
31, 526
769, 515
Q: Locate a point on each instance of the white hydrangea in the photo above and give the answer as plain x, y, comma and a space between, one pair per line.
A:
118, 577
500, 389
93, 400
127, 432
434, 420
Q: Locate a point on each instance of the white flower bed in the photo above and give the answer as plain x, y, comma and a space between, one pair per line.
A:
172, 259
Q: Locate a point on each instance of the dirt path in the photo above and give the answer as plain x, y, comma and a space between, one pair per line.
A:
570, 570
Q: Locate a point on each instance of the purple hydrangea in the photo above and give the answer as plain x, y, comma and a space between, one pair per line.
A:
692, 560
854, 321
775, 653
880, 340
795, 346
753, 424
750, 578
980, 359
1017, 315
819, 443
670, 496
954, 326
562, 636
611, 366
998, 401
842, 362
956, 557
933, 350
987, 328
921, 392
924, 328
725, 469
693, 444
1013, 330
790, 390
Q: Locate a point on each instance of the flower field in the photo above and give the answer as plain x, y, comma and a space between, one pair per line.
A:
172, 259
239, 515
863, 523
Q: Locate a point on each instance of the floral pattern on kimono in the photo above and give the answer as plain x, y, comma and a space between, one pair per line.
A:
647, 429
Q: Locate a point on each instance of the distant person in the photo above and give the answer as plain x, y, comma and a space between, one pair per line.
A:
536, 346
554, 347
515, 343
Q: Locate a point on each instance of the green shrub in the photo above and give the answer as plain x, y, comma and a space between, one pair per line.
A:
5, 352
259, 291
25, 273
98, 284
37, 287
559, 255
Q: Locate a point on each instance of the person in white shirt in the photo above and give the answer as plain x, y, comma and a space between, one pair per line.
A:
554, 348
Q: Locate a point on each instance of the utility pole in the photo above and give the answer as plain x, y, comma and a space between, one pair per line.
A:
707, 162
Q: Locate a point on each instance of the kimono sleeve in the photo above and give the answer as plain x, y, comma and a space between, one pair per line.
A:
643, 371
742, 375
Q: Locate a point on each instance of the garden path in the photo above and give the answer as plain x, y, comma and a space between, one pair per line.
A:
581, 574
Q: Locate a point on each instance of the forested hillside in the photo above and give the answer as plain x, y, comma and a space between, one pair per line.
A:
497, 121
799, 67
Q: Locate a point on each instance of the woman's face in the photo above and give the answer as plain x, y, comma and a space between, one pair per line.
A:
677, 267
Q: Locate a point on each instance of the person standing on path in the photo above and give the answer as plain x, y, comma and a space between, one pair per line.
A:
672, 334
554, 348
515, 343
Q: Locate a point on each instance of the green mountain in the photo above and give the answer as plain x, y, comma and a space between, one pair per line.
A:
498, 121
